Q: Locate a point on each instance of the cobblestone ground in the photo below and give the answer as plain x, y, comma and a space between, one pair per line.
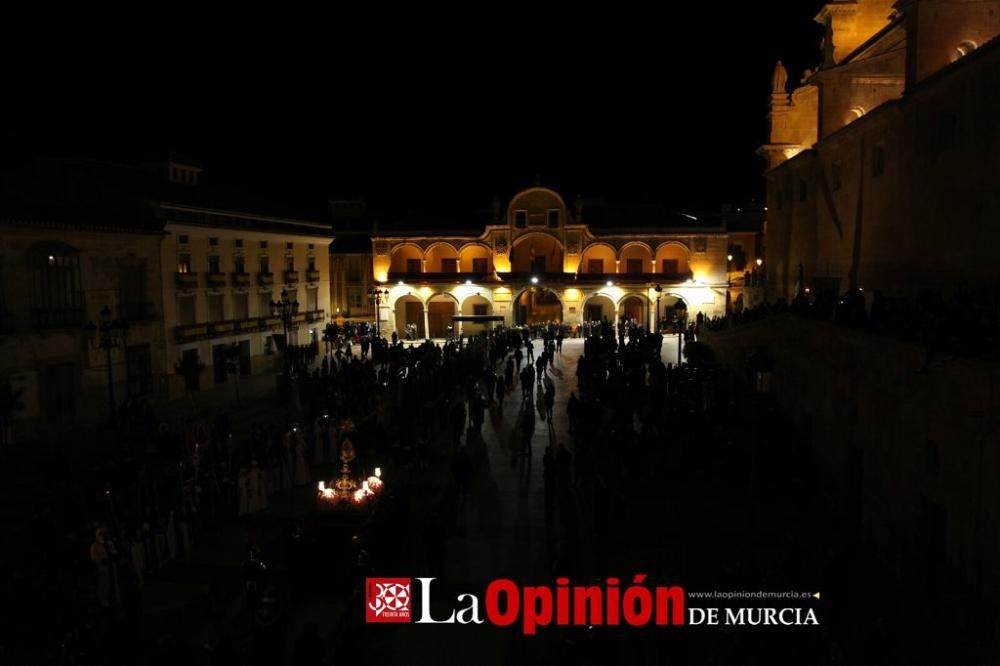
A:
732, 506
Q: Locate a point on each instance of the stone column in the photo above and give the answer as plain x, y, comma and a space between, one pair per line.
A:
427, 324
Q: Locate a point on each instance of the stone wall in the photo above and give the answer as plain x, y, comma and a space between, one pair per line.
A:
907, 443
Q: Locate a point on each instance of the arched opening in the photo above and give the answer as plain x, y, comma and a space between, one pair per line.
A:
406, 259
475, 305
634, 310
672, 306
597, 308
475, 258
441, 258
409, 312
598, 259
672, 262
636, 259
537, 254
537, 305
441, 310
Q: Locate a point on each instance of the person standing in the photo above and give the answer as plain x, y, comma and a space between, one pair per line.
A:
104, 555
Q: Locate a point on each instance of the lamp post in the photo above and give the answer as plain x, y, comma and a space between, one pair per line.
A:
286, 309
659, 292
108, 334
377, 295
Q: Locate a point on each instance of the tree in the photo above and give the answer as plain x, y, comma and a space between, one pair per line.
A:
10, 403
190, 368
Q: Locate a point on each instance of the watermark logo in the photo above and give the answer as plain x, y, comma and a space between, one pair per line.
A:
388, 599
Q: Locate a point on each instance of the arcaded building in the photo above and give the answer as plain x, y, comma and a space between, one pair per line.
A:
539, 260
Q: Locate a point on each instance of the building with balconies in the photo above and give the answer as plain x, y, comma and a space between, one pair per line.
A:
541, 261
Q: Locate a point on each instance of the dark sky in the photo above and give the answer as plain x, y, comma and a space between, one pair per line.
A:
658, 106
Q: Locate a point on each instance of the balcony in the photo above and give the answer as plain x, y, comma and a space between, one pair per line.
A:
265, 279
640, 278
312, 276
137, 311
220, 328
291, 277
215, 279
240, 279
403, 276
315, 315
186, 280
191, 332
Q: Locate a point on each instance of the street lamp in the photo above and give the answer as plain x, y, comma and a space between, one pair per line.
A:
377, 295
108, 334
659, 292
286, 309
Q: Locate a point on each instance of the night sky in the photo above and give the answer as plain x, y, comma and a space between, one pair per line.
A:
633, 107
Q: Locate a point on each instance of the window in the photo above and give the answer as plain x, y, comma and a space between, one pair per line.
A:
241, 306
553, 219
139, 361
132, 291
538, 264
265, 265
213, 263
312, 263
312, 300
480, 309
595, 265
354, 297
213, 241
264, 304
215, 309
633, 266
878, 161
480, 265
239, 242
57, 292
239, 264
184, 263
186, 310
670, 267
836, 176
182, 239
700, 244
413, 265
312, 246
521, 219
263, 245
289, 246
449, 265
289, 263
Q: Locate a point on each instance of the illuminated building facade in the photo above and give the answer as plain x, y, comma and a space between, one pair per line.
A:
540, 262
882, 163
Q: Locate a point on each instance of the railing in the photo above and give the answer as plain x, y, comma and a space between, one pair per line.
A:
291, 277
217, 329
633, 277
186, 280
312, 276
240, 279
396, 276
215, 279
265, 279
